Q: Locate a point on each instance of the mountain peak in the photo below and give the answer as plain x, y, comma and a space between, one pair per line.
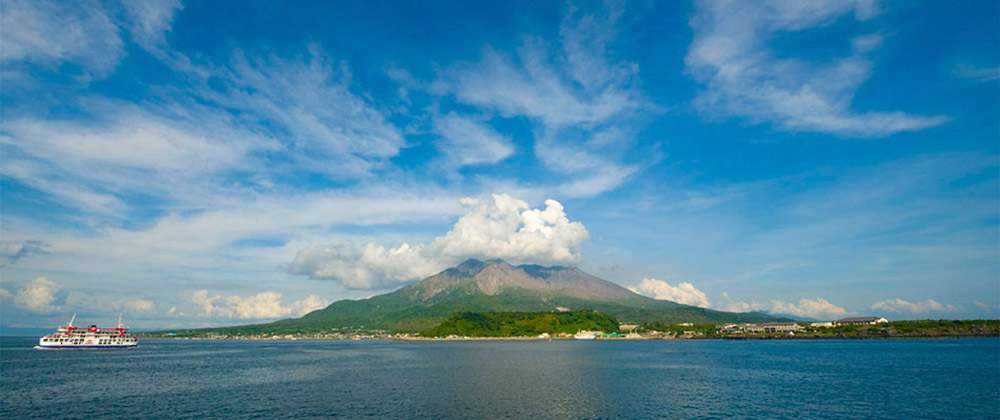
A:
491, 277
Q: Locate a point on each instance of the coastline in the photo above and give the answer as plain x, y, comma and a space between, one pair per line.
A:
434, 339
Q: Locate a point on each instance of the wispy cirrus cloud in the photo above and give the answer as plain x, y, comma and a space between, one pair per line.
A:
580, 97
310, 105
742, 77
87, 33
982, 74
467, 141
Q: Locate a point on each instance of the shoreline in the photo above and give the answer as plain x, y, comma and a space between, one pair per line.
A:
436, 339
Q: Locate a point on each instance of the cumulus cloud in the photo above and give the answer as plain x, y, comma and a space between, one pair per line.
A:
264, 305
39, 296
684, 292
742, 77
365, 267
901, 306
501, 227
12, 251
818, 308
4, 294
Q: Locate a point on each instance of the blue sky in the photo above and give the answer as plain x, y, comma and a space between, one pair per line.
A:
197, 164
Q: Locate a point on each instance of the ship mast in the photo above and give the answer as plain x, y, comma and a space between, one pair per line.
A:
120, 319
72, 319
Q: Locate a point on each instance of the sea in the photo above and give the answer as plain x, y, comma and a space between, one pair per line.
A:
559, 379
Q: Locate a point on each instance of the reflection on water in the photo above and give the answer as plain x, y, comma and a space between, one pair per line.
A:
554, 380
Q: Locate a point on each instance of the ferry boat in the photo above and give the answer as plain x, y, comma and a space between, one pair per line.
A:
585, 335
92, 337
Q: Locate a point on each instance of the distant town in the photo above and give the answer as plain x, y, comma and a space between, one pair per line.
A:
846, 328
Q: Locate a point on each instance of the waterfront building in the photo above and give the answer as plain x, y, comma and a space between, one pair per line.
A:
864, 320
627, 327
772, 327
822, 324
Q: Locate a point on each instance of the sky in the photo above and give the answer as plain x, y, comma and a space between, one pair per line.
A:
216, 163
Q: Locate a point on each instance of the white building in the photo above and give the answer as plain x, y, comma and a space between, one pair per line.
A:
864, 320
772, 327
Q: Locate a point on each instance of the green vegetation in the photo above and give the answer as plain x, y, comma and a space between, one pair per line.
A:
977, 327
522, 324
897, 329
403, 311
915, 329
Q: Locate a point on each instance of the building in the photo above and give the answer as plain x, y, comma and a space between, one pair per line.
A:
627, 327
772, 327
864, 320
768, 327
822, 324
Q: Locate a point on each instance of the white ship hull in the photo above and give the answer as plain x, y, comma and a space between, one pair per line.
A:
92, 337
106, 346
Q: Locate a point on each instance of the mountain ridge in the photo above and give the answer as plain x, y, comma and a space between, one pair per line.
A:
494, 286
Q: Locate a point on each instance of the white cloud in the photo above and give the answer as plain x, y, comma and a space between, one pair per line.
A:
506, 227
502, 227
133, 139
818, 308
684, 292
901, 306
981, 305
264, 305
4, 294
12, 251
38, 296
309, 103
580, 98
729, 55
137, 305
365, 267
51, 33
470, 142
88, 33
148, 21
978, 73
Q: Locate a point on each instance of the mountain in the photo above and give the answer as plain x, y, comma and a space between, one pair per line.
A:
495, 286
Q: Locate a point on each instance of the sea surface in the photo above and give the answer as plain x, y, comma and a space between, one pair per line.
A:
801, 379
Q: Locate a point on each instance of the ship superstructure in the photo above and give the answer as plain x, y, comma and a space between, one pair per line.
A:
92, 337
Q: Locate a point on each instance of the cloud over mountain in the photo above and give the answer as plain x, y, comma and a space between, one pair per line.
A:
500, 227
684, 292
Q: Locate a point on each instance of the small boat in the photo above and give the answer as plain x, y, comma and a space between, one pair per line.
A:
92, 337
585, 335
